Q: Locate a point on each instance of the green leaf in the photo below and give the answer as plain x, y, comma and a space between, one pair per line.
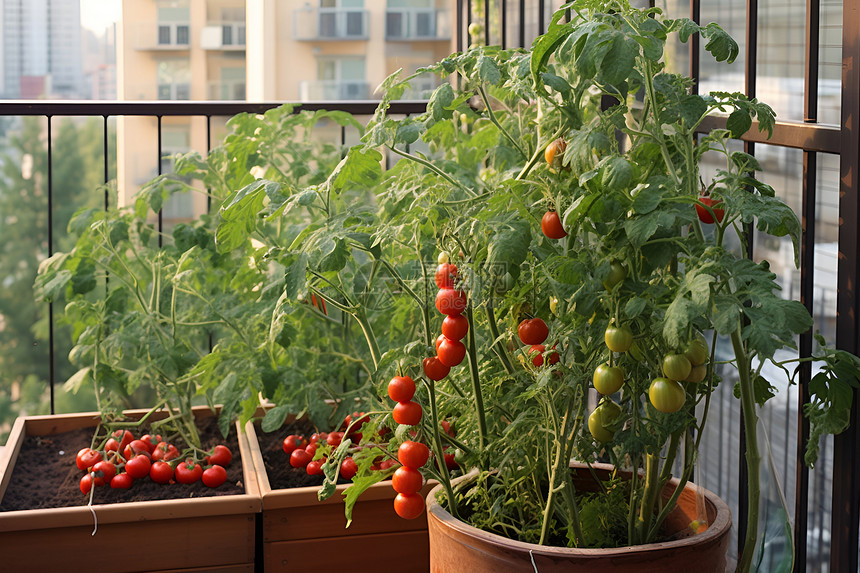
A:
488, 71
635, 306
557, 83
296, 277
739, 122
77, 379
440, 101
617, 64
239, 216
359, 486
720, 43
726, 314
677, 320
360, 169
275, 418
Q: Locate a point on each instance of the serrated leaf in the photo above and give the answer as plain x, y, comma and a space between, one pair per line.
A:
74, 383
353, 492
635, 306
275, 418
739, 122
557, 83
488, 70
296, 277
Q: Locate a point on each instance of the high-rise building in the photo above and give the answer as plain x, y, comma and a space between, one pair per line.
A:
40, 53
260, 50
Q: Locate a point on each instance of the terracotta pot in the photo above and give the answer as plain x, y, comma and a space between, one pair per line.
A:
456, 546
299, 531
202, 535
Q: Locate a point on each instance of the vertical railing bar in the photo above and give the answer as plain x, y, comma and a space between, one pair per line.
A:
487, 41
695, 58
807, 280
50, 192
522, 23
458, 19
161, 210
208, 150
751, 34
541, 16
469, 38
503, 23
844, 525
106, 146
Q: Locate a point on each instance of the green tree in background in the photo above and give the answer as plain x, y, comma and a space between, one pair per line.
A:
78, 172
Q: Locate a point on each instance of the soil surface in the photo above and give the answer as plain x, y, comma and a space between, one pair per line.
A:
45, 474
281, 474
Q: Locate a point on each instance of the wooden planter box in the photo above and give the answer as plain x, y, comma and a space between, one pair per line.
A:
204, 534
301, 531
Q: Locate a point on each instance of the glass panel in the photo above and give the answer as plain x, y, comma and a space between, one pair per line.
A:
719, 76
352, 69
241, 36
226, 35
182, 35
781, 56
394, 25
424, 24
183, 91
355, 24
164, 35
164, 91
830, 54
328, 25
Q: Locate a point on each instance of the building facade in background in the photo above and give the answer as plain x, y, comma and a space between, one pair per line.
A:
260, 50
40, 51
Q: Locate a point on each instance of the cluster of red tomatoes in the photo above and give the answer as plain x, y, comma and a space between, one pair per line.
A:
312, 452
408, 480
450, 301
124, 459
533, 332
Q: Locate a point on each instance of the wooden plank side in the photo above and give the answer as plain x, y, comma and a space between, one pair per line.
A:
327, 520
173, 543
10, 453
240, 568
405, 552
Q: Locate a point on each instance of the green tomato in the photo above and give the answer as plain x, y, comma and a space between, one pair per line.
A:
697, 373
617, 273
608, 379
696, 351
602, 416
676, 366
666, 395
618, 338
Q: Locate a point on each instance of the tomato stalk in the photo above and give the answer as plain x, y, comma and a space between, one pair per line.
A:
497, 345
753, 457
651, 490
472, 353
440, 454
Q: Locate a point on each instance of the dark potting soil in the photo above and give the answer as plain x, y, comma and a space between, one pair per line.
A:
281, 474
45, 474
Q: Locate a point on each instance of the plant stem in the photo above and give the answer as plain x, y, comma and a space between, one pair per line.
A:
360, 317
753, 457
497, 346
495, 121
432, 168
476, 383
440, 455
652, 487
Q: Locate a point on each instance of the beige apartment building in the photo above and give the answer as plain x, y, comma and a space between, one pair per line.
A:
259, 50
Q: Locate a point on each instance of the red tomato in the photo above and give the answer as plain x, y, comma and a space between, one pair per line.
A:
536, 354
138, 466
551, 226
150, 441
136, 447
221, 456
86, 483
450, 352
300, 458
334, 439
87, 458
188, 472
532, 331
407, 413
312, 448
439, 340
111, 445
103, 472
447, 428
401, 388
413, 454
161, 472
455, 326
348, 468
434, 369
450, 301
214, 476
407, 480
314, 467
705, 215
121, 481
408, 505
293, 442
451, 462
165, 451
124, 436
320, 437
446, 275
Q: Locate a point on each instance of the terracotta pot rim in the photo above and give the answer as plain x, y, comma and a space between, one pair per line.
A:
721, 524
